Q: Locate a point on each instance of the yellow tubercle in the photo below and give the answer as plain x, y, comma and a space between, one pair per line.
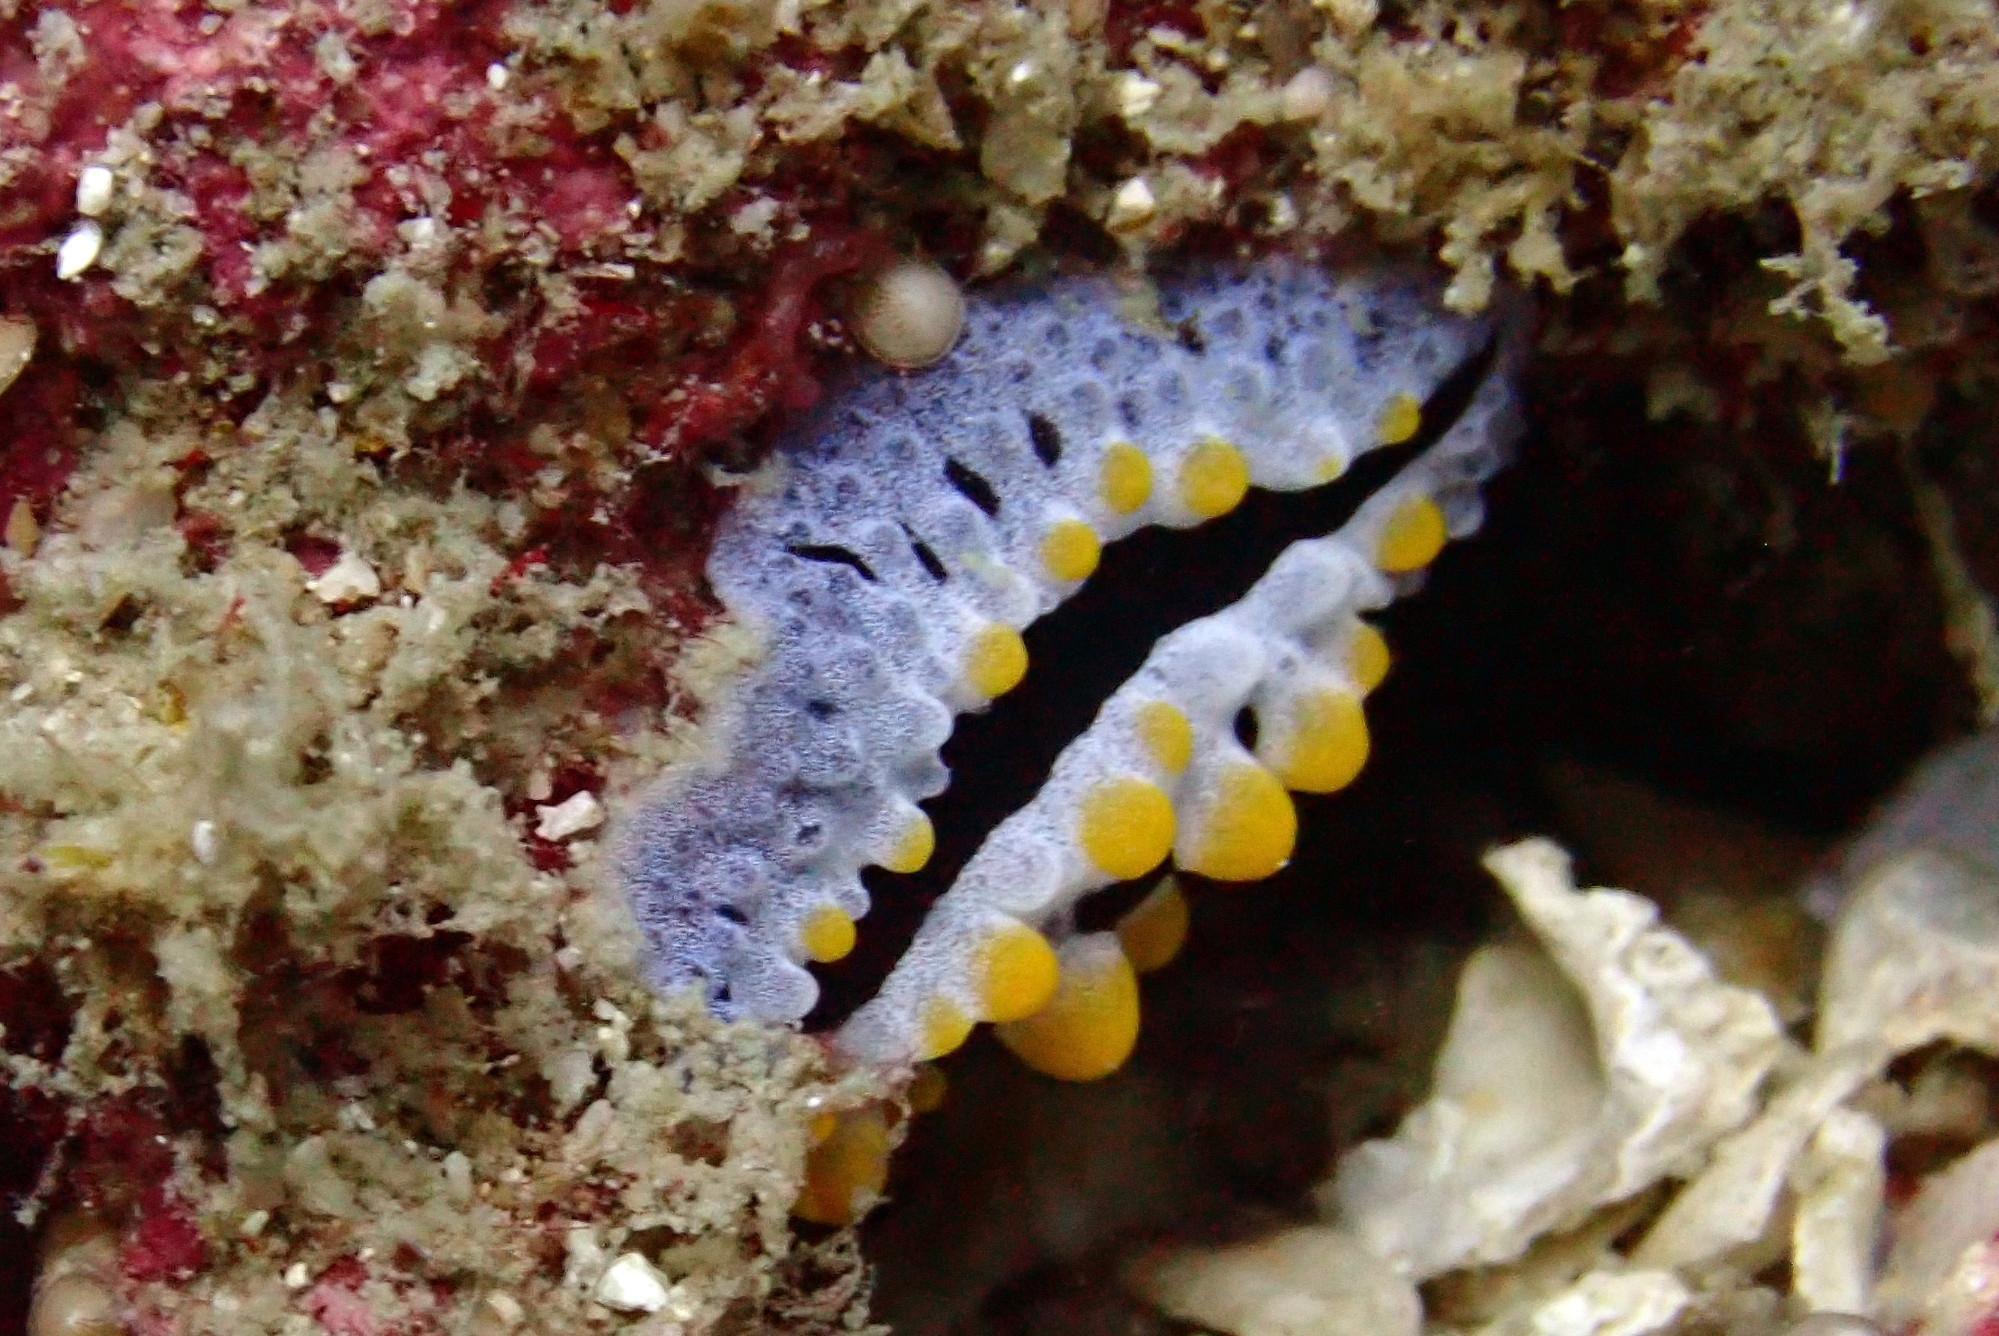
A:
823, 1125
927, 1090
1249, 830
944, 1029
913, 848
846, 1168
828, 935
1167, 735
1070, 550
1368, 658
995, 661
1401, 418
1214, 478
1332, 468
1412, 538
1126, 480
1126, 827
1016, 973
1088, 1028
1153, 930
1325, 744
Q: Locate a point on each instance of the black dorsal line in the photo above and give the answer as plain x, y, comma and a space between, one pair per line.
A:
974, 486
833, 555
926, 554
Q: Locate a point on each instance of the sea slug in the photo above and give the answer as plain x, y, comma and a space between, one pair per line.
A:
915, 524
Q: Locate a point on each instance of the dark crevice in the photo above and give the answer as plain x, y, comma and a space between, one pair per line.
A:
1245, 727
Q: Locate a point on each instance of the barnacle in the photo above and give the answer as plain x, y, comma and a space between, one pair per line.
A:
911, 530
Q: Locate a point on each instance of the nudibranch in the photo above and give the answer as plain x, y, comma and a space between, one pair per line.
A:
912, 527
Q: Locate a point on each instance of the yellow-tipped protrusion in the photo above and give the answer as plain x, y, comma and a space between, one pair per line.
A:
1401, 418
1168, 737
1088, 1028
828, 935
1368, 658
1249, 830
913, 847
1412, 538
1325, 745
846, 1169
1016, 973
927, 1090
1126, 480
1126, 827
1153, 930
1214, 478
1070, 549
944, 1029
995, 661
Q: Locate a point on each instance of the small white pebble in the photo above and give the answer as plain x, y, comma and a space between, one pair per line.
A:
908, 314
1132, 206
632, 1285
79, 250
206, 841
94, 185
496, 76
458, 1176
296, 1276
1307, 95
253, 1224
572, 816
348, 580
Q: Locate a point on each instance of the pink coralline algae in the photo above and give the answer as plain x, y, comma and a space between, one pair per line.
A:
271, 166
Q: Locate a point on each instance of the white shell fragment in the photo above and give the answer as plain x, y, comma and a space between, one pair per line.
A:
1613, 1303
1568, 1081
1610, 1060
1914, 958
572, 816
1308, 1281
632, 1285
1732, 1201
1840, 1183
1944, 1252
350, 579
